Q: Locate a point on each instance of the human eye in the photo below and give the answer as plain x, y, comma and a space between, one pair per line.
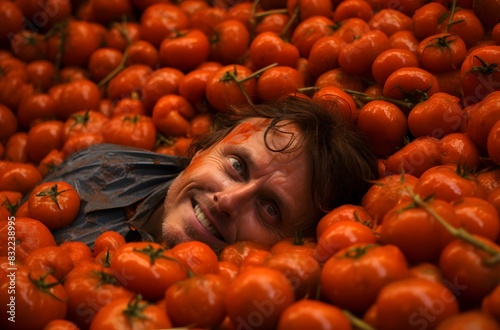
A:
271, 212
238, 166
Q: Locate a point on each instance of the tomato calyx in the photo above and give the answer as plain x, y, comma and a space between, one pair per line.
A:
451, 22
357, 252
459, 233
154, 254
52, 192
104, 278
80, 119
45, 287
135, 308
484, 69
11, 207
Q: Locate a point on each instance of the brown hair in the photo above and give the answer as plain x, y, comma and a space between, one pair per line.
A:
341, 157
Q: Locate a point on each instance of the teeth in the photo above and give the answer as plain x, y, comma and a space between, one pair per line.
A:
205, 223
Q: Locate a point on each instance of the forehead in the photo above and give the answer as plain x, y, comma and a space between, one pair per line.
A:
254, 130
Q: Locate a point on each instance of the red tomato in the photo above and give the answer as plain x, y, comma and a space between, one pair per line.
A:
43, 137
412, 84
197, 257
185, 50
313, 314
172, 114
159, 20
385, 124
478, 217
341, 235
197, 301
458, 148
439, 115
75, 96
389, 61
309, 31
20, 177
147, 268
416, 232
466, 269
135, 131
480, 119
463, 23
130, 312
268, 48
52, 260
257, 297
491, 303
479, 74
324, 54
448, 182
386, 193
441, 52
467, 320
55, 204
12, 18
108, 241
336, 99
238, 251
89, 289
35, 108
493, 143
412, 303
9, 123
229, 41
353, 277
222, 90
415, 157
35, 291
301, 269
358, 56
158, 83
277, 82
389, 21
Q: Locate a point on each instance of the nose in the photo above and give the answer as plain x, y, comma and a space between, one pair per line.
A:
234, 199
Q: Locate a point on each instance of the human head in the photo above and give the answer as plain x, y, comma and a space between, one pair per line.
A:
336, 162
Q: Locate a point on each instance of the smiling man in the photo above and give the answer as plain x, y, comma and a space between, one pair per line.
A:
266, 172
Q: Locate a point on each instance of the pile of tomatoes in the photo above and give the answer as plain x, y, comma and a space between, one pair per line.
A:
420, 78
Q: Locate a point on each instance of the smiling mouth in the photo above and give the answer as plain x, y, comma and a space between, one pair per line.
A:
202, 219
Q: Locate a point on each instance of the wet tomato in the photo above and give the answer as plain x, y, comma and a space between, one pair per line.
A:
316, 314
184, 50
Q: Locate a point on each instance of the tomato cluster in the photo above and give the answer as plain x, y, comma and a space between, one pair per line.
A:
420, 78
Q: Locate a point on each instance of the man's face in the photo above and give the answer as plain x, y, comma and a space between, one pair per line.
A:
240, 190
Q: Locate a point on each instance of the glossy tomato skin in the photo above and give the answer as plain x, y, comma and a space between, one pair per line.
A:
197, 300
89, 289
229, 41
197, 257
385, 124
409, 304
353, 277
341, 235
441, 52
416, 232
469, 319
308, 313
56, 204
257, 297
386, 193
439, 115
415, 157
346, 212
478, 216
131, 130
222, 89
464, 266
145, 315
493, 143
448, 182
32, 299
185, 50
268, 48
30, 235
478, 74
147, 268
51, 259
